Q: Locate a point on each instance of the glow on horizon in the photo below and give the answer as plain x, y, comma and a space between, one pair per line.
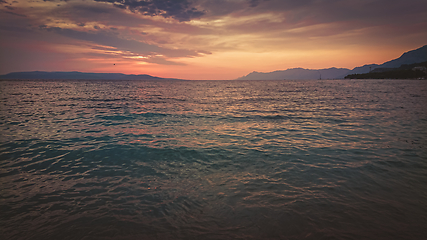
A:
213, 42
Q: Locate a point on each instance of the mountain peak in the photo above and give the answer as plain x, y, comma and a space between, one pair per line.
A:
414, 56
298, 74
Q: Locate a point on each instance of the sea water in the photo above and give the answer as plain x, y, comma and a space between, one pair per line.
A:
319, 159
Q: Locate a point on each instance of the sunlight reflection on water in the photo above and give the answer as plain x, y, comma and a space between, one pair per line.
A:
213, 159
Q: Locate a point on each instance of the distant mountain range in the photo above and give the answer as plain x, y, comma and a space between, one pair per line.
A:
80, 76
415, 56
405, 71
298, 73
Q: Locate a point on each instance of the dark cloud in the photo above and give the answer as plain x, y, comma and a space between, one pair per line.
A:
100, 13
291, 14
13, 13
88, 9
181, 10
318, 10
219, 8
253, 3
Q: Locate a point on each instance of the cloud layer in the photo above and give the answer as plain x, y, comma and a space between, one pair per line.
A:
207, 34
181, 10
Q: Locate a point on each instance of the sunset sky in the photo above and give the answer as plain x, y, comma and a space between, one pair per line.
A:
205, 39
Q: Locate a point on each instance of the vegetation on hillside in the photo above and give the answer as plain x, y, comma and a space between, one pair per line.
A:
411, 71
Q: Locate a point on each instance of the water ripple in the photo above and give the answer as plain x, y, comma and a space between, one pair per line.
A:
213, 159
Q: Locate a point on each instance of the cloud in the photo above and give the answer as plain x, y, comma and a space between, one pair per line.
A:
172, 32
309, 18
181, 10
106, 14
162, 61
129, 48
318, 11
13, 13
99, 24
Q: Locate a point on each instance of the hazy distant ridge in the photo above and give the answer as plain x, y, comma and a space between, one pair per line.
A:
80, 76
415, 56
297, 73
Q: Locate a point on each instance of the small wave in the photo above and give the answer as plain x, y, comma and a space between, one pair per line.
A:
131, 116
276, 117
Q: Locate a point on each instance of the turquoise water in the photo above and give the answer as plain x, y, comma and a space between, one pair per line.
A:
318, 159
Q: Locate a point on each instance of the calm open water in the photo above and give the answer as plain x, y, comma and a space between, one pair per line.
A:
318, 159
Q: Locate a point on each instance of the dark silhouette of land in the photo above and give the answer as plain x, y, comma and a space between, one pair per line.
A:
410, 65
416, 56
411, 71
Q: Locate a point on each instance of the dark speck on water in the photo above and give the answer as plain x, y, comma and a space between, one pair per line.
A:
319, 159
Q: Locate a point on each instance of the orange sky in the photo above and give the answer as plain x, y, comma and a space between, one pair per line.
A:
205, 39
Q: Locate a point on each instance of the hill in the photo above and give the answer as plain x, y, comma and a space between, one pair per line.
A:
298, 74
411, 57
405, 71
415, 56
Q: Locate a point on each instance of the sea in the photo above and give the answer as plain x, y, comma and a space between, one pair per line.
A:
302, 159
